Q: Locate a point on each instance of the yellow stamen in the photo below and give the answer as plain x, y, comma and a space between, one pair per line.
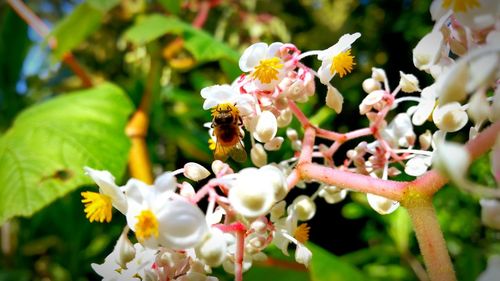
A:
146, 226
97, 206
460, 5
342, 63
267, 70
301, 233
211, 144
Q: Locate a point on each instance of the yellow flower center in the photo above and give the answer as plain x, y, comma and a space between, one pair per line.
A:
97, 206
146, 226
301, 233
342, 63
267, 70
460, 5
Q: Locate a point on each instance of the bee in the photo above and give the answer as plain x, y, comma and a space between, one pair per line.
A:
226, 123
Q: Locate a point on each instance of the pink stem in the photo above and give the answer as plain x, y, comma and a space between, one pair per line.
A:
344, 179
307, 146
240, 250
299, 114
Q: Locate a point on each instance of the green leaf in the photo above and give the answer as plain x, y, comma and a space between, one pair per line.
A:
328, 267
203, 46
43, 154
76, 27
173, 6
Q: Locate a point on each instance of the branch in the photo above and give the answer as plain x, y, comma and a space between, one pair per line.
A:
43, 30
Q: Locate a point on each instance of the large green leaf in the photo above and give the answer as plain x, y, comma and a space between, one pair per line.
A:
43, 154
77, 26
328, 267
202, 45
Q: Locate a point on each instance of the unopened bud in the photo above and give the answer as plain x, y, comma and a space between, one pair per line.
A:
266, 127
258, 155
213, 250
126, 251
408, 83
305, 207
285, 118
273, 144
195, 171
187, 190
292, 134
334, 99
378, 74
370, 85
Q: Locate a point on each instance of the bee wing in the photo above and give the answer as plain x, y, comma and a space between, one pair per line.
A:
221, 152
238, 152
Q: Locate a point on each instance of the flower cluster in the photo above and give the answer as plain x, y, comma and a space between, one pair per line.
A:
246, 210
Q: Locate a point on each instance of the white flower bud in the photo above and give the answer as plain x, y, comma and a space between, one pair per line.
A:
126, 251
428, 50
273, 144
166, 182
277, 180
378, 74
425, 106
482, 71
381, 204
266, 127
258, 155
304, 207
408, 83
293, 136
333, 194
455, 167
417, 166
278, 210
369, 85
195, 171
451, 85
187, 190
425, 140
490, 213
218, 166
373, 97
259, 225
212, 251
252, 194
334, 99
285, 118
303, 255
479, 108
450, 117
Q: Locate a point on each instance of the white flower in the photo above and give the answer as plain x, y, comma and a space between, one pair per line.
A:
195, 171
400, 131
226, 94
450, 117
452, 159
452, 84
303, 255
212, 250
334, 99
482, 71
107, 186
157, 218
428, 50
425, 106
328, 68
418, 165
264, 64
479, 108
252, 193
381, 204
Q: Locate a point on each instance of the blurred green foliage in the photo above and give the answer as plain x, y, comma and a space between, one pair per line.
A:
134, 44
